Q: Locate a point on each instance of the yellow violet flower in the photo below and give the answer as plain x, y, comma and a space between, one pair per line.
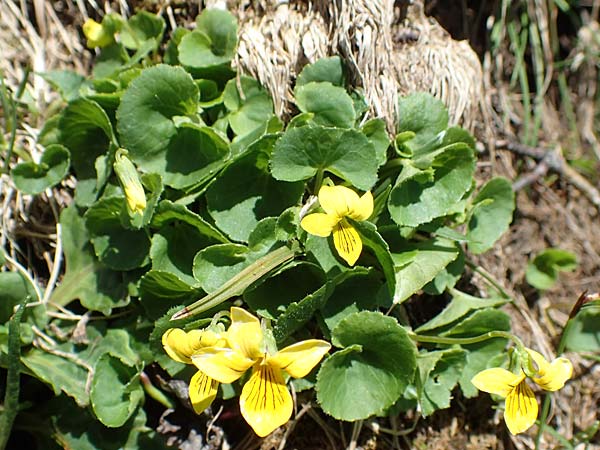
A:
265, 402
339, 202
130, 182
96, 35
521, 408
180, 346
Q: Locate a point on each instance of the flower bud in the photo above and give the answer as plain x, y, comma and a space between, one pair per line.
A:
96, 34
130, 183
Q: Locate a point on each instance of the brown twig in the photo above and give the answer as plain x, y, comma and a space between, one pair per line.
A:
550, 160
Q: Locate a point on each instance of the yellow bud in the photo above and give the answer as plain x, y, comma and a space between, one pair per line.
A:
96, 35
130, 182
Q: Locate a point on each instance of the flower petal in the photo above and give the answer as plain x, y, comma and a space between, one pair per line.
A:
319, 224
337, 200
175, 343
223, 364
521, 409
300, 358
265, 401
245, 334
363, 208
203, 391
497, 381
347, 242
551, 376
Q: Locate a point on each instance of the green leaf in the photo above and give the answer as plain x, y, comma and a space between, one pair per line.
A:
13, 289
60, 373
145, 115
416, 200
86, 131
297, 314
76, 428
422, 114
115, 391
543, 271
172, 53
480, 356
322, 251
439, 372
353, 294
116, 342
215, 265
244, 193
460, 305
161, 290
115, 246
373, 240
302, 152
479, 322
174, 247
448, 277
95, 286
142, 27
248, 103
418, 264
212, 43
376, 132
193, 156
371, 373
291, 284
168, 212
66, 82
492, 213
325, 69
331, 105
584, 333
32, 178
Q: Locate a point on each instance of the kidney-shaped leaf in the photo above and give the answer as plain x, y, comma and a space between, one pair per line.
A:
249, 105
371, 372
302, 152
145, 115
213, 41
331, 105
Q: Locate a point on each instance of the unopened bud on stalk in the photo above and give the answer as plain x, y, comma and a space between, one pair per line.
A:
96, 34
130, 182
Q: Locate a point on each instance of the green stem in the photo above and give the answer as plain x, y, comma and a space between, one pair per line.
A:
154, 392
11, 397
466, 341
318, 181
489, 277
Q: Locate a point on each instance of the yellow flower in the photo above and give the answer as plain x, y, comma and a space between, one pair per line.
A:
130, 182
339, 202
180, 346
96, 35
265, 402
521, 408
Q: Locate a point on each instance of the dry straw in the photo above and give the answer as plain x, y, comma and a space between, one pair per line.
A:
385, 57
